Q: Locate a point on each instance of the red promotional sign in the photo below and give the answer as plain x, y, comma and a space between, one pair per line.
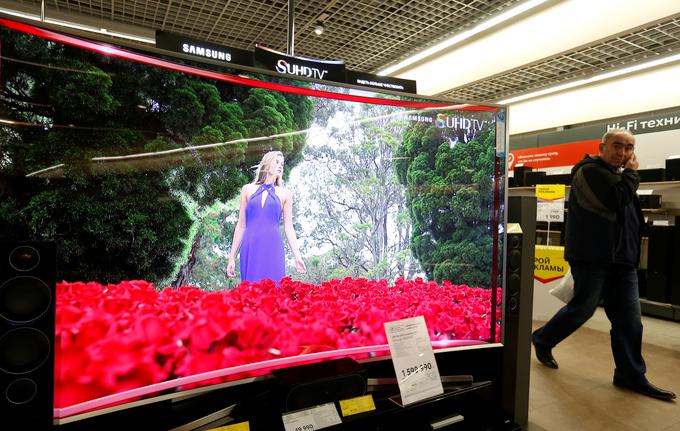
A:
554, 155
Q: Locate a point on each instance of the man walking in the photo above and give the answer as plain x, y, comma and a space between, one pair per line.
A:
602, 246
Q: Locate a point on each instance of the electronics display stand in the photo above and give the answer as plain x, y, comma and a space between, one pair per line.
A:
463, 405
318, 383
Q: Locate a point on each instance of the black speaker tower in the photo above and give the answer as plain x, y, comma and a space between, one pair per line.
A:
27, 310
518, 308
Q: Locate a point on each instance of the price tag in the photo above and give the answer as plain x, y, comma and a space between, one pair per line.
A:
550, 211
312, 419
357, 405
241, 426
413, 359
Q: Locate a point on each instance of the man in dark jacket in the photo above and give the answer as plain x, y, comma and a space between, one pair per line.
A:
602, 246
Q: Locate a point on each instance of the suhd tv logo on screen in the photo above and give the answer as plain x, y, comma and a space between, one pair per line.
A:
451, 122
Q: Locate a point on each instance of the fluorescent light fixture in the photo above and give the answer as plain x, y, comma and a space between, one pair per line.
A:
20, 14
99, 30
78, 26
498, 19
594, 78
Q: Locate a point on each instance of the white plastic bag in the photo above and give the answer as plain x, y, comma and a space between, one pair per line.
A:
564, 290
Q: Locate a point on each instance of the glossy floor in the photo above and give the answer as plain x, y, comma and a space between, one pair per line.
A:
580, 395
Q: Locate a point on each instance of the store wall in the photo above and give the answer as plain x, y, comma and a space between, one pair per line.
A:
641, 92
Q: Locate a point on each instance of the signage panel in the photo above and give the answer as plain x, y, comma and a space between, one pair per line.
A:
381, 82
203, 50
300, 66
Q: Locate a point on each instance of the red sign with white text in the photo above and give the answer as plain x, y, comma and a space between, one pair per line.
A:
554, 155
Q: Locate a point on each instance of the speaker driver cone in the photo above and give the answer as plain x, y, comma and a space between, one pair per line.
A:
24, 258
24, 299
21, 391
23, 350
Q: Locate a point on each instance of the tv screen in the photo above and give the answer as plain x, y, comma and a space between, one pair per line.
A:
213, 224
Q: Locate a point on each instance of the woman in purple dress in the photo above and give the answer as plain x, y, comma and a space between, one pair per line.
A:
257, 231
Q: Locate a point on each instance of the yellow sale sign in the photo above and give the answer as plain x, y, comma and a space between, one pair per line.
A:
549, 263
550, 192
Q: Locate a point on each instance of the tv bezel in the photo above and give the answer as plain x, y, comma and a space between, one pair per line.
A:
145, 55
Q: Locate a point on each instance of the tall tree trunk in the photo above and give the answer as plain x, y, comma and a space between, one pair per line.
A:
184, 274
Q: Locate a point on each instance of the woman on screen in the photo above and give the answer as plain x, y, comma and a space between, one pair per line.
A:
257, 231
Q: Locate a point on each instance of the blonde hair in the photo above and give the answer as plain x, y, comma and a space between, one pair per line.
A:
263, 168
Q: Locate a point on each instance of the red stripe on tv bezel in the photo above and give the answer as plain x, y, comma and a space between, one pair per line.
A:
114, 51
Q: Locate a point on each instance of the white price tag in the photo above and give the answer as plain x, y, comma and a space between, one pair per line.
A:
311, 419
413, 359
550, 211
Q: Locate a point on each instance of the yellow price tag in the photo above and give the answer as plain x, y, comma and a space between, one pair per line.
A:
550, 192
241, 426
356, 405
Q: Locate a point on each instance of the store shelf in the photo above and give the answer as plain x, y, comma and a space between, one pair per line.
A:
660, 309
670, 207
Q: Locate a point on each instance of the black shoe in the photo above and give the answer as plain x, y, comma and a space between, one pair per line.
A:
645, 388
544, 354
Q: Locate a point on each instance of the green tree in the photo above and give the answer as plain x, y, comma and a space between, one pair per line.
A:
180, 147
449, 175
352, 202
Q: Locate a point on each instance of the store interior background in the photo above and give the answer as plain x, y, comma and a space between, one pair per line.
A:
555, 43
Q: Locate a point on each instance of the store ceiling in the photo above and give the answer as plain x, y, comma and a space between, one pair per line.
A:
369, 34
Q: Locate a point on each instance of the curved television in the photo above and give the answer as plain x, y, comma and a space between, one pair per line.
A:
133, 166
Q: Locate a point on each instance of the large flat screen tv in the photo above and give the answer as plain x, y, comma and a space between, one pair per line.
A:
139, 167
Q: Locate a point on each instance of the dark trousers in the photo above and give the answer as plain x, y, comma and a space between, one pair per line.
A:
617, 286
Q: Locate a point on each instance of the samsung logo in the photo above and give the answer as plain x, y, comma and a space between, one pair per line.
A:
205, 52
282, 66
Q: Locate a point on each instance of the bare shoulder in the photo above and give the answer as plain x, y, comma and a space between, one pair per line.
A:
248, 189
283, 193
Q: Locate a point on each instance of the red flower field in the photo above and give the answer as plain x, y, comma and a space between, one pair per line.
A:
116, 337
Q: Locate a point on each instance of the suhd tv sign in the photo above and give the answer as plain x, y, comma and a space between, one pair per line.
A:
283, 66
299, 66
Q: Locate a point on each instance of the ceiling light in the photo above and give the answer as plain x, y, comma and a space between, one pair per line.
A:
318, 29
20, 14
78, 26
595, 78
460, 37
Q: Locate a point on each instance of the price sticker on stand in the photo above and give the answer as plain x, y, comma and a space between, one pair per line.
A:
413, 360
550, 202
311, 419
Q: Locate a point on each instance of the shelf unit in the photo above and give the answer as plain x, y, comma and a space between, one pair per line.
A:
670, 208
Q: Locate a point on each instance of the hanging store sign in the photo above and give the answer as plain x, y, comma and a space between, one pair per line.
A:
203, 50
300, 66
268, 59
381, 82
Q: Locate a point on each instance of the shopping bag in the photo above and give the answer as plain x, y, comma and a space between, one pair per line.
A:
564, 290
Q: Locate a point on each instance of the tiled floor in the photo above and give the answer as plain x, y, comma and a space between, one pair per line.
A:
580, 395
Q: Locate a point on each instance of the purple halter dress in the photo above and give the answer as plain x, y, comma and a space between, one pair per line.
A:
262, 252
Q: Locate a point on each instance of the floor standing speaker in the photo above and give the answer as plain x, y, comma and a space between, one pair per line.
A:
517, 308
658, 263
27, 309
674, 284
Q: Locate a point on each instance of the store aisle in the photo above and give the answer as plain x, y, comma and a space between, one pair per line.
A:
580, 395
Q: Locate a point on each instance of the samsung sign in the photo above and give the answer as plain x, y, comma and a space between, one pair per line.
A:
319, 70
204, 50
